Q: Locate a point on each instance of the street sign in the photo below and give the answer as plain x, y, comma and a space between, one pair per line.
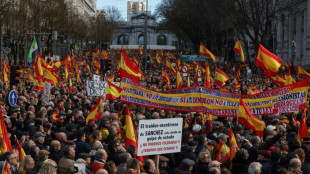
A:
12, 97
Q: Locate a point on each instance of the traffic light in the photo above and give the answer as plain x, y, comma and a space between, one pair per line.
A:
14, 74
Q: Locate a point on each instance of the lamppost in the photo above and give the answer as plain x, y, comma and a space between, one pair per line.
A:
145, 37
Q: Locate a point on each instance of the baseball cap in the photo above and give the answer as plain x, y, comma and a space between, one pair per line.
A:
39, 134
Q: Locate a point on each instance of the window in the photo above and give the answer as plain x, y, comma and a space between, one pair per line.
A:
161, 40
122, 40
141, 40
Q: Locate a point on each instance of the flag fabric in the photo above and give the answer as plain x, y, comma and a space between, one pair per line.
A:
220, 78
157, 58
77, 73
93, 112
112, 92
289, 79
179, 80
188, 81
223, 153
286, 121
5, 72
140, 50
278, 79
50, 76
21, 152
203, 51
233, 146
39, 84
128, 68
70, 86
198, 73
67, 68
166, 77
254, 89
4, 137
238, 73
246, 118
170, 67
178, 63
303, 130
33, 48
302, 72
207, 76
6, 168
267, 61
237, 48
54, 116
236, 83
111, 78
294, 122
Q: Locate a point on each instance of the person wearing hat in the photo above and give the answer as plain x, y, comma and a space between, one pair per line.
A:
163, 165
83, 162
185, 167
40, 140
187, 153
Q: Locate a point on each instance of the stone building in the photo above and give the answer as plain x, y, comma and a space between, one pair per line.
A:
130, 34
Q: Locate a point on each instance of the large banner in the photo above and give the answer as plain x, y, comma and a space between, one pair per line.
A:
159, 136
200, 99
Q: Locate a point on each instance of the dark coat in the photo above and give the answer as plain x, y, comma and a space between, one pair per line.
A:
239, 166
305, 167
81, 147
185, 154
201, 167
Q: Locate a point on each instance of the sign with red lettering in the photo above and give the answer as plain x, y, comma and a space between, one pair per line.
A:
159, 136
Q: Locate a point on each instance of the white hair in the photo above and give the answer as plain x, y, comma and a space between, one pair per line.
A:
254, 168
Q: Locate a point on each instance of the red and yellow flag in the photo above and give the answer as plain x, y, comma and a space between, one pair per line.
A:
179, 80
67, 68
112, 92
302, 72
207, 76
21, 152
223, 153
4, 137
6, 168
238, 48
289, 79
54, 116
220, 78
246, 118
178, 63
278, 79
128, 68
170, 67
140, 50
303, 130
50, 76
166, 77
77, 73
233, 146
70, 86
188, 81
111, 78
5, 72
93, 112
203, 51
236, 83
267, 61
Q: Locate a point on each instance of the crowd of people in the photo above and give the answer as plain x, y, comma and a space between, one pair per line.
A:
69, 145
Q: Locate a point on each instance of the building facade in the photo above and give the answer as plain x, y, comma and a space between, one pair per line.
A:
130, 34
292, 28
85, 8
133, 7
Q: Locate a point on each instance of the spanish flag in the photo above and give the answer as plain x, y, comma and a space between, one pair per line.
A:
188, 81
179, 80
166, 77
170, 67
207, 76
278, 79
220, 78
112, 91
238, 73
237, 48
302, 72
6, 72
93, 112
39, 84
157, 58
267, 61
50, 76
77, 73
178, 62
128, 68
21, 152
223, 153
246, 118
203, 51
140, 50
236, 83
288, 65
294, 122
66, 69
70, 86
54, 116
289, 79
303, 130
4, 137
232, 144
286, 121
6, 168
111, 78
